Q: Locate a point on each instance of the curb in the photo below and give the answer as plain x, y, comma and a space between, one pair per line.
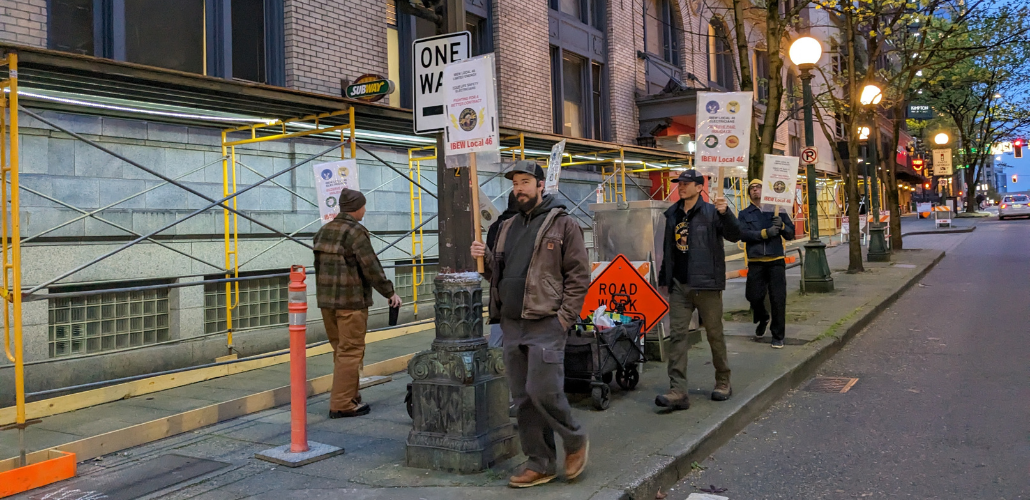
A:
944, 231
672, 463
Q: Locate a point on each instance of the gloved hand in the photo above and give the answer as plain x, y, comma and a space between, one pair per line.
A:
778, 223
773, 232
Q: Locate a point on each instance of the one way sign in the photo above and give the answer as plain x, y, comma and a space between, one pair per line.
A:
428, 58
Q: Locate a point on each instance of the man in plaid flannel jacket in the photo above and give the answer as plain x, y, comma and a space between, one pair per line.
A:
346, 270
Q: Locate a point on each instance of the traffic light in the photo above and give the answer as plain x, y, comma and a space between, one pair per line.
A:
1017, 148
1014, 177
926, 185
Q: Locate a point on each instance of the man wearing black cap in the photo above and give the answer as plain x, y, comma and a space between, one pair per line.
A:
766, 267
694, 272
346, 270
539, 274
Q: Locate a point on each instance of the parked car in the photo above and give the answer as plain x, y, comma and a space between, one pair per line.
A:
1016, 205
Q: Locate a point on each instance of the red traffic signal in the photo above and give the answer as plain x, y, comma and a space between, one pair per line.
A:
926, 185
1017, 143
1014, 177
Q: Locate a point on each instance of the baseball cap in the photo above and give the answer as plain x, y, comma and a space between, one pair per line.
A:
690, 176
525, 167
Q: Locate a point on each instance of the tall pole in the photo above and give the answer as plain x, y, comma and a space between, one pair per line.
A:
878, 251
458, 397
455, 197
817, 271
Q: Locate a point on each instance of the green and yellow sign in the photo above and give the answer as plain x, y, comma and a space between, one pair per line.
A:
369, 88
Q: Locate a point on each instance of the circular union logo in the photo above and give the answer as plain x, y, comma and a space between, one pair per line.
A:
343, 171
732, 141
330, 202
486, 215
327, 174
779, 186
733, 106
711, 142
712, 107
468, 119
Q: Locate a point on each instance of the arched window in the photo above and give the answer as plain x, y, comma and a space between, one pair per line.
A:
720, 56
661, 30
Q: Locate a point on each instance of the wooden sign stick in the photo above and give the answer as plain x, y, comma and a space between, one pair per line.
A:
477, 230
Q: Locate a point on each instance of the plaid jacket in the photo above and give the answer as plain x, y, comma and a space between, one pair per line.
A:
346, 266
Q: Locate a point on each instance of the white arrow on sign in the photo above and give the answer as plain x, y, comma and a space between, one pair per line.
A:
809, 156
428, 58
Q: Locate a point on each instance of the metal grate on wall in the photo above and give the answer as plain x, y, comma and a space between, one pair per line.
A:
107, 322
263, 302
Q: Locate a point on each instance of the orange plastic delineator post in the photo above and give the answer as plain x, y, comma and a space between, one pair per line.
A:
298, 309
59, 466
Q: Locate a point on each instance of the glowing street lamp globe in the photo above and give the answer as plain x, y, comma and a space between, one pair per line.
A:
871, 94
863, 133
941, 139
805, 52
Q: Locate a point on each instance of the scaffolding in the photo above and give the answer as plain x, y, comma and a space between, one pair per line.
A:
11, 227
416, 156
276, 131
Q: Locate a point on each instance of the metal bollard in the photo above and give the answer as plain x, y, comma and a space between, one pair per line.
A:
298, 310
300, 451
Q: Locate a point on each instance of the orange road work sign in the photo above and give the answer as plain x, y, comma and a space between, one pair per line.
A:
620, 282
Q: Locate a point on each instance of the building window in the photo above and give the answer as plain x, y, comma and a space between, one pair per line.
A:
661, 32
591, 12
409, 279
237, 38
838, 59
597, 102
263, 302
71, 26
248, 40
108, 321
165, 34
762, 76
720, 56
795, 146
840, 126
573, 105
393, 52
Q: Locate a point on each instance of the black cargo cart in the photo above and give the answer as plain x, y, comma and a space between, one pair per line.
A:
594, 357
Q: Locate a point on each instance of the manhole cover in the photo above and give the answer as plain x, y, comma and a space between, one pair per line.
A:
834, 385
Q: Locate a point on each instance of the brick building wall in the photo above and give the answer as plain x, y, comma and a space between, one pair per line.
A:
23, 22
625, 70
522, 47
327, 40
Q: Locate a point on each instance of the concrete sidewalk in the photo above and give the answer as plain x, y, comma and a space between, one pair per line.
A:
635, 448
912, 225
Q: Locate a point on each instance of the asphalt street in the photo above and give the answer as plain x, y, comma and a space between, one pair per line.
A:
941, 407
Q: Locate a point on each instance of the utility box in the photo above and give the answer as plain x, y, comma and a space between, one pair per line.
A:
638, 232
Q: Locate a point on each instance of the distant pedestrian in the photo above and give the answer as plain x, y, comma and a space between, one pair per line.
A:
980, 198
694, 274
539, 273
346, 270
766, 266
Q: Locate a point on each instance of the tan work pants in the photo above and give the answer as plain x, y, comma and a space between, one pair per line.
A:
346, 332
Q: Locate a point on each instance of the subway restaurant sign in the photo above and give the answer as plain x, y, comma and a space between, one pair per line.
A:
369, 88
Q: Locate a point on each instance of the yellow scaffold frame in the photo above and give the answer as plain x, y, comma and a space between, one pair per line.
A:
312, 125
613, 170
11, 227
418, 258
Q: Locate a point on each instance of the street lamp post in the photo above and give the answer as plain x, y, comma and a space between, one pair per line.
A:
805, 52
878, 251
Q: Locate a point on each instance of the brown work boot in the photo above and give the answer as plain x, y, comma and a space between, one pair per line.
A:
528, 478
722, 391
673, 400
577, 461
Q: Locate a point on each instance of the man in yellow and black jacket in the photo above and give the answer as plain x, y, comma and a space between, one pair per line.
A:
766, 271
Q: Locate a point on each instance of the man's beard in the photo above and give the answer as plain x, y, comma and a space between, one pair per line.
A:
528, 203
